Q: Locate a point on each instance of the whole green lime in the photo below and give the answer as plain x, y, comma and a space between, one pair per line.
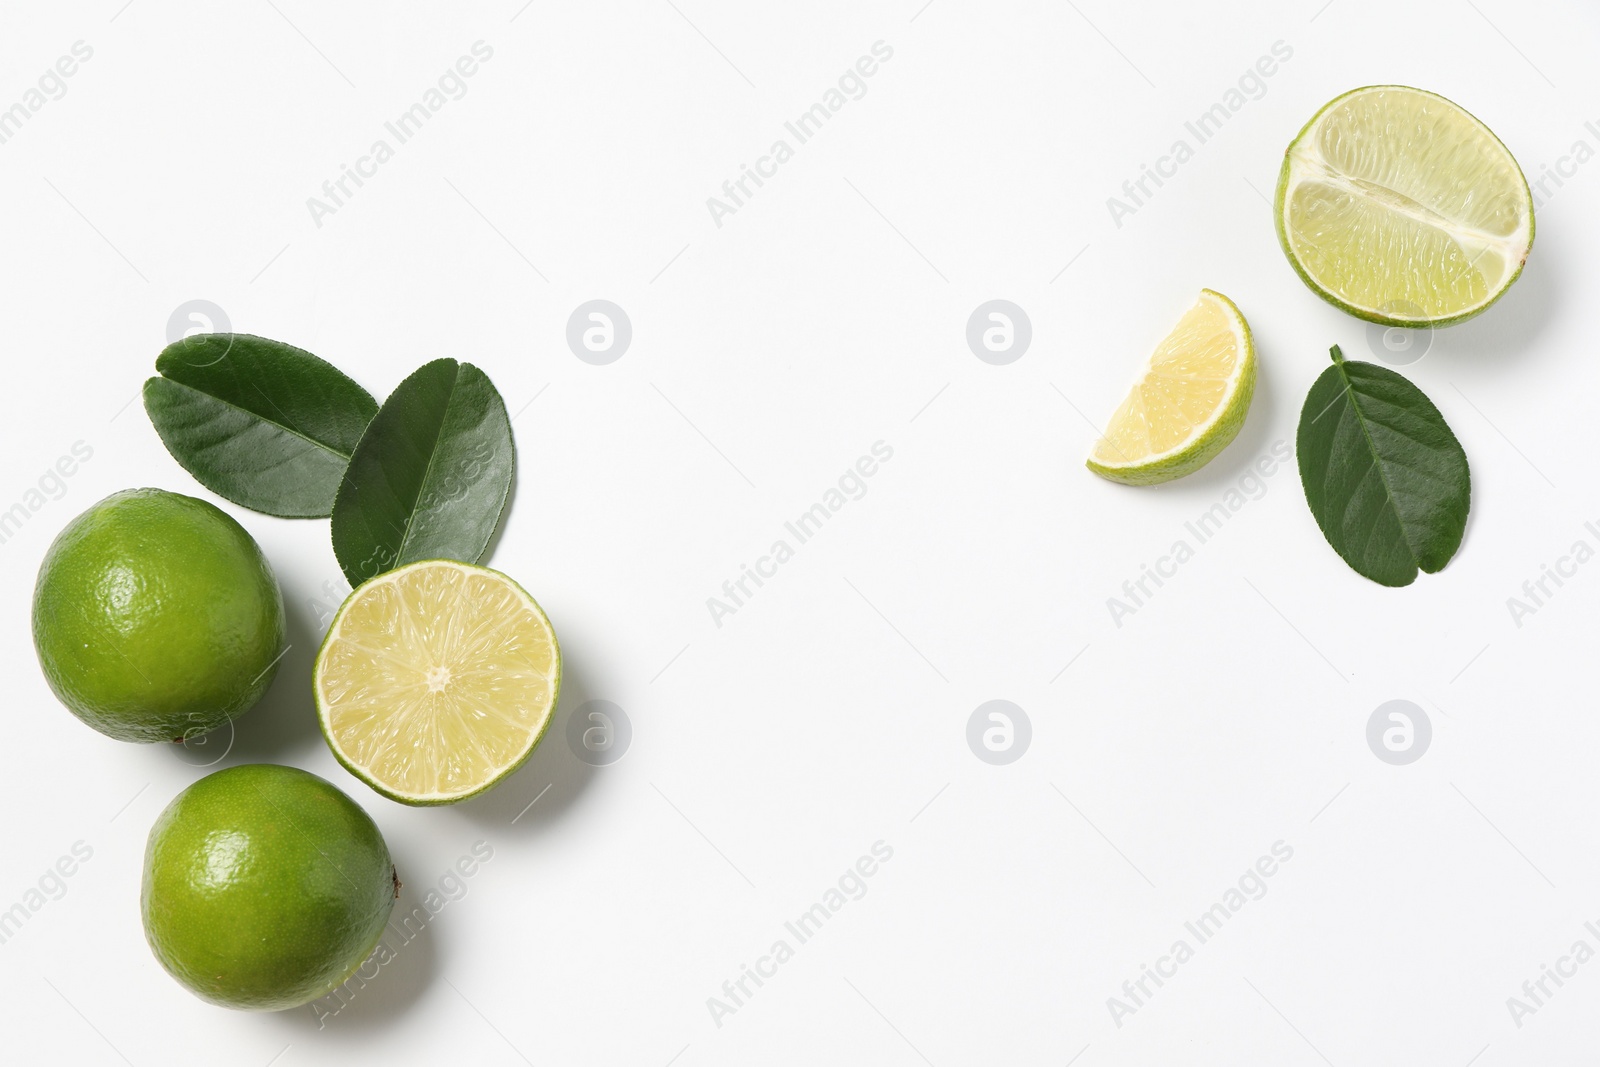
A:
265, 887
156, 617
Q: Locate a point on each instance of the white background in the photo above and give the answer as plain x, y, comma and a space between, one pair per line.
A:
830, 711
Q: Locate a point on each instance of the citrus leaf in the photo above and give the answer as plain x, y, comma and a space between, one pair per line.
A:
261, 423
430, 477
1386, 479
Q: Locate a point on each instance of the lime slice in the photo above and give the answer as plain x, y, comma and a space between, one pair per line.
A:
1190, 403
1400, 208
436, 680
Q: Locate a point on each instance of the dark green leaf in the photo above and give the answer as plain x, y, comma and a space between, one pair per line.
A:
430, 476
261, 423
1385, 477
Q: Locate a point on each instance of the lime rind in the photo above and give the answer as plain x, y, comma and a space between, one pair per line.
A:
1380, 315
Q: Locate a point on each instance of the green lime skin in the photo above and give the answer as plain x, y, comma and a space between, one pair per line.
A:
265, 887
156, 617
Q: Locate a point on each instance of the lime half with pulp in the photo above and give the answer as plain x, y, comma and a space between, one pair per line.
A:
436, 680
1399, 207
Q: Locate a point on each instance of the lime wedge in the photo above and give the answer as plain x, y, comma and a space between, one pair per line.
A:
1400, 208
1190, 403
436, 680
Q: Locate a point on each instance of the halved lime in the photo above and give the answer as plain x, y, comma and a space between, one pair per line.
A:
1190, 403
1399, 207
436, 680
